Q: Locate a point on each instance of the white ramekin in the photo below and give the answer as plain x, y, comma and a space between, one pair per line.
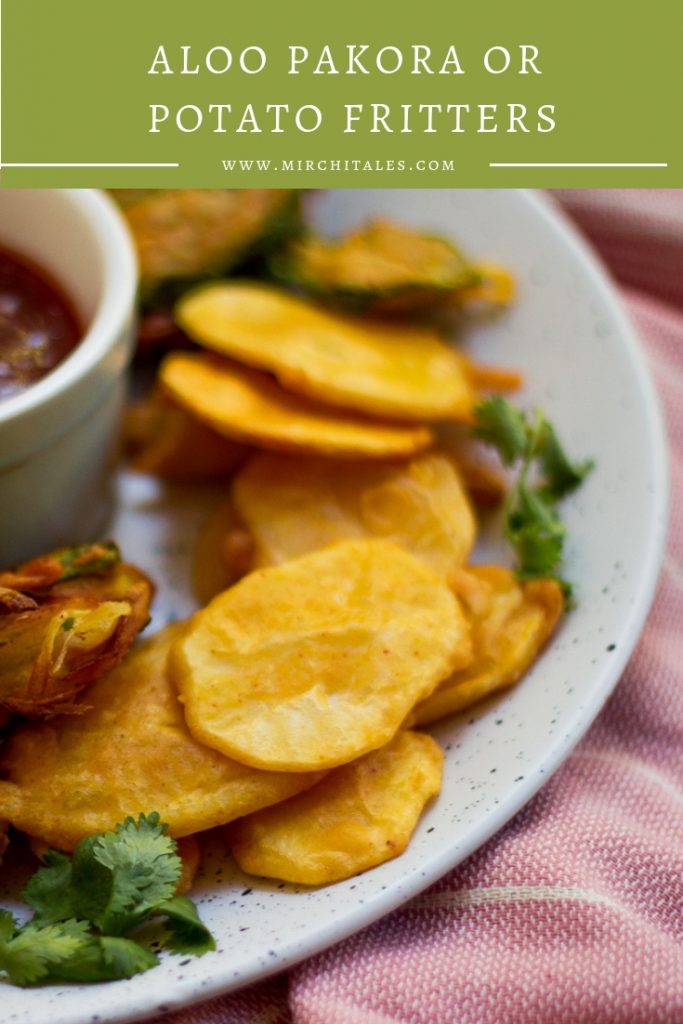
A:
57, 439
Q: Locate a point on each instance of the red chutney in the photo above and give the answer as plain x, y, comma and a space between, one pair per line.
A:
38, 325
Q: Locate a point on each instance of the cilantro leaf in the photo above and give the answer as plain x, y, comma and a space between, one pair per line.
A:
91, 883
115, 882
536, 531
104, 959
122, 875
188, 933
504, 426
144, 863
49, 891
561, 475
124, 958
532, 523
37, 950
8, 926
533, 506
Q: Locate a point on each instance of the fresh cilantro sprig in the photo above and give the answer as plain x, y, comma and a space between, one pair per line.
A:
544, 476
85, 906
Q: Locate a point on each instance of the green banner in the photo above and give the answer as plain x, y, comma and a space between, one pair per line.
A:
438, 95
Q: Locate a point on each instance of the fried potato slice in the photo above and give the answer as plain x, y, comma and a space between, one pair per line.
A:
79, 629
251, 407
164, 440
312, 663
495, 286
224, 552
380, 266
183, 234
381, 369
360, 815
131, 751
292, 506
511, 621
190, 853
485, 377
485, 483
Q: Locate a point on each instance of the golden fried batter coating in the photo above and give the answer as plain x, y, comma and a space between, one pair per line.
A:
129, 754
291, 506
312, 663
404, 372
360, 815
251, 407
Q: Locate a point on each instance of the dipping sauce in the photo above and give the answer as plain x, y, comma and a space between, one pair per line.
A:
38, 325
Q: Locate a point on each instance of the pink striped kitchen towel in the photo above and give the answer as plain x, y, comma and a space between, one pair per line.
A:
573, 913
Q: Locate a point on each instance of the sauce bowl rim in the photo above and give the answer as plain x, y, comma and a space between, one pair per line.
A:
112, 313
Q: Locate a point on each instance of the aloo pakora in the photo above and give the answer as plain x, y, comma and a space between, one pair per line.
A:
224, 552
73, 776
82, 610
360, 815
379, 267
164, 440
312, 663
251, 407
182, 235
291, 506
511, 620
381, 369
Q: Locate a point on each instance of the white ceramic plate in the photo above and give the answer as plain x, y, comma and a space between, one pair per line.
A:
581, 362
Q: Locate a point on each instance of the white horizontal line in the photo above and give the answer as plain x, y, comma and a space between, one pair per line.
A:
509, 894
89, 165
521, 895
580, 165
626, 764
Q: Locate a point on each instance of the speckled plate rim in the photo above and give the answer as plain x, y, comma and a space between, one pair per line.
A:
117, 1002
